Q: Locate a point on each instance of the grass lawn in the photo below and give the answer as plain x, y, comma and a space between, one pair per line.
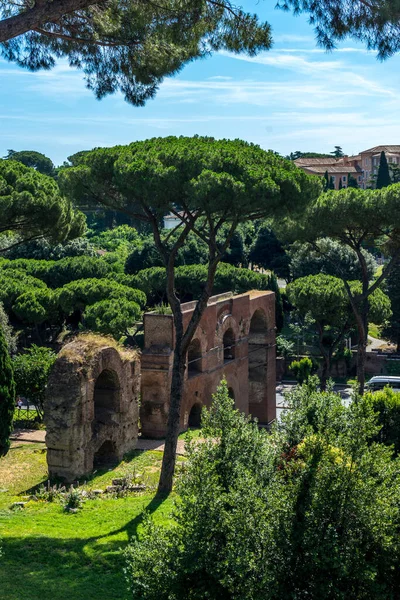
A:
52, 555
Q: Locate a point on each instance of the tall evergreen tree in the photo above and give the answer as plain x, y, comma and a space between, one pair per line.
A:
338, 152
352, 182
7, 396
326, 181
383, 178
331, 183
340, 184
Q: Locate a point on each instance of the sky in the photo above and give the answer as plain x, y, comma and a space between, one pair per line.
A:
293, 97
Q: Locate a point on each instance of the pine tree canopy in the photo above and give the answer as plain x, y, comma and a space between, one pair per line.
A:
376, 23
125, 46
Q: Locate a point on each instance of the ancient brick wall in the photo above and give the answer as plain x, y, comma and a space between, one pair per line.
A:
91, 408
235, 340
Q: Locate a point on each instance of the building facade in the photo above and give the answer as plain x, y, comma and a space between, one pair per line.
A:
362, 167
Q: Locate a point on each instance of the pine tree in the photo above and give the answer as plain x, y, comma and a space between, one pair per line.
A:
338, 152
7, 396
352, 182
383, 178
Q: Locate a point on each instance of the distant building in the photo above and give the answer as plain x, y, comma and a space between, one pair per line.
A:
362, 167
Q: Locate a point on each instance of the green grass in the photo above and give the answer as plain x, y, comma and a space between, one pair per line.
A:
193, 434
52, 555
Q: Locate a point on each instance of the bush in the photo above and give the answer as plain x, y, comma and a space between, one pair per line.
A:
301, 369
386, 404
7, 396
290, 515
31, 371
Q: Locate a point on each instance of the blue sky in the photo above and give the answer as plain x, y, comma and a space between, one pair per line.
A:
294, 97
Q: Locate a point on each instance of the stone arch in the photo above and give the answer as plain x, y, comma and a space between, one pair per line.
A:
106, 396
229, 345
225, 324
91, 407
194, 358
194, 419
231, 393
258, 322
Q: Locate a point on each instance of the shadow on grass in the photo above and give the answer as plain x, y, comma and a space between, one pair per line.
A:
48, 568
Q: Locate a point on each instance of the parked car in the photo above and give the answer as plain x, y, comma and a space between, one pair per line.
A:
381, 381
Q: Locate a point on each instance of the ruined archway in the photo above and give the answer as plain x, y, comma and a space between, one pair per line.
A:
194, 358
106, 397
229, 345
91, 408
231, 393
195, 416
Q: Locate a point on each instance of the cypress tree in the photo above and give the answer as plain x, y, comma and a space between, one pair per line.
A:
331, 184
383, 178
7, 396
352, 182
326, 181
340, 184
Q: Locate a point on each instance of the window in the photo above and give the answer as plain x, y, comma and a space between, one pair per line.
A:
344, 178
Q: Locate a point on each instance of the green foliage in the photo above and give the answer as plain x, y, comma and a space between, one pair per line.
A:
130, 47
36, 307
75, 296
268, 252
112, 317
252, 506
31, 372
330, 257
31, 158
301, 369
392, 288
386, 404
42, 249
338, 152
32, 207
190, 281
352, 181
68, 269
9, 336
383, 177
376, 24
7, 396
14, 283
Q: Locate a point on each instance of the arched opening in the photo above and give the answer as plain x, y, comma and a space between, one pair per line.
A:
106, 397
105, 455
194, 358
258, 323
195, 416
231, 393
229, 345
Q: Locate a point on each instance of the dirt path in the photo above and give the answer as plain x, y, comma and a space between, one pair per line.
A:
37, 436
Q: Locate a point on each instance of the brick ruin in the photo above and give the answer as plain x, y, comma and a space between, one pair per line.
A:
92, 398
235, 340
91, 408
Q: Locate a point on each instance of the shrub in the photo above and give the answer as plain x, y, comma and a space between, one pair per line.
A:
289, 515
73, 499
31, 371
7, 396
386, 404
301, 369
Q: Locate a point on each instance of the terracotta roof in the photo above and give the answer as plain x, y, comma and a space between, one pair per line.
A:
331, 170
303, 162
375, 149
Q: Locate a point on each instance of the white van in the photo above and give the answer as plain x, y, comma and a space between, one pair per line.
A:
381, 381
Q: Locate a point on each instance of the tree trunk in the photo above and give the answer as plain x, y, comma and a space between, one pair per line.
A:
173, 426
41, 13
326, 368
362, 329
